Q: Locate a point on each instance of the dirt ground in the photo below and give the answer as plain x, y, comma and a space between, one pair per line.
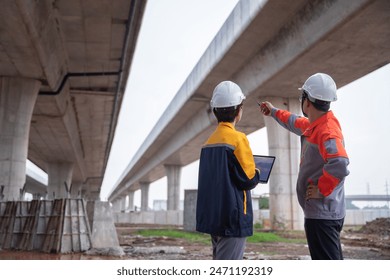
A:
370, 242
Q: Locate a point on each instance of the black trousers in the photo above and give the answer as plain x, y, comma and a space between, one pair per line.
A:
323, 238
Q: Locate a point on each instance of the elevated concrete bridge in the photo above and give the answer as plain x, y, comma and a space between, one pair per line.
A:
367, 197
63, 72
35, 184
269, 48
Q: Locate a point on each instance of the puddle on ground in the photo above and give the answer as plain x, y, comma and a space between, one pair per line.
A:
26, 255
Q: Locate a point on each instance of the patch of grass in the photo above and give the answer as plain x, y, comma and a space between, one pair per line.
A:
257, 226
260, 236
257, 237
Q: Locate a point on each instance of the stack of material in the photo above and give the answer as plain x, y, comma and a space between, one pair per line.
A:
53, 226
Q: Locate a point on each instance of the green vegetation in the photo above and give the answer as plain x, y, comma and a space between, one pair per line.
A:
257, 226
264, 202
261, 236
258, 236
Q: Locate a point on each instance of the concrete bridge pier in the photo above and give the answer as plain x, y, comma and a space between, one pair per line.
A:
17, 100
59, 179
285, 212
144, 196
75, 189
116, 207
173, 177
87, 194
122, 202
130, 197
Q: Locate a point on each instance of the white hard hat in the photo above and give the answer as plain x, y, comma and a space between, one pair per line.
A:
320, 86
226, 94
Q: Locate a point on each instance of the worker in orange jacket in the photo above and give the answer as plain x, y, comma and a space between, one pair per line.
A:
323, 164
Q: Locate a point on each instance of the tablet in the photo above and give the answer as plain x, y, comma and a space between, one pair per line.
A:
265, 164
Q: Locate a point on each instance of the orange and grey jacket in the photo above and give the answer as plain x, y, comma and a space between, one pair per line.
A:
226, 175
323, 163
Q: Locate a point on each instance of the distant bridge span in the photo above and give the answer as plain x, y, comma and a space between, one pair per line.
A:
269, 48
367, 197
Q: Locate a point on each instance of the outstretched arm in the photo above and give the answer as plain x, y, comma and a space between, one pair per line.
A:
288, 120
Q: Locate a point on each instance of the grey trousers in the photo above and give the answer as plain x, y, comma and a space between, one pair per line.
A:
228, 248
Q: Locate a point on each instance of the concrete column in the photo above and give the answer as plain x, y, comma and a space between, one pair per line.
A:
285, 212
173, 177
89, 195
60, 179
189, 215
116, 206
75, 190
123, 203
17, 100
295, 150
130, 196
144, 196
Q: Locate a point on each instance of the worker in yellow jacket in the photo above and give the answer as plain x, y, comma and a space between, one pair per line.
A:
227, 173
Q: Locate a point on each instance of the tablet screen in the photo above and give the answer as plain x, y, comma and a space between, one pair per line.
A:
265, 164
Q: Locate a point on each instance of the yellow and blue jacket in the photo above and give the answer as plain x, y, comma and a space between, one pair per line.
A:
227, 173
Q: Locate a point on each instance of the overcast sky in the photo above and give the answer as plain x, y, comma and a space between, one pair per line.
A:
173, 36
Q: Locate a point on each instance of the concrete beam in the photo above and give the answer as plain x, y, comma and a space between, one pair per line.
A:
314, 26
35, 184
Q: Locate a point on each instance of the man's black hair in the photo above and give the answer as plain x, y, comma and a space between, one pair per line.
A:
227, 114
320, 105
